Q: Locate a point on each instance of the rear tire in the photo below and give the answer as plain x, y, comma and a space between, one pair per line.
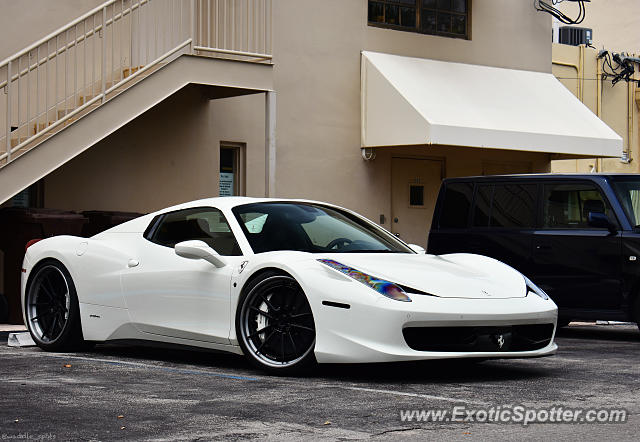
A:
275, 326
52, 310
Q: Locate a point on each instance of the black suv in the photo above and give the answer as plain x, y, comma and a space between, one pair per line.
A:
576, 236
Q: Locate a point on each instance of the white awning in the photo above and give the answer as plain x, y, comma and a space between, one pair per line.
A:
416, 101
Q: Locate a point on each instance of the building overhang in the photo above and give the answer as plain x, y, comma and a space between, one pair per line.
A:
416, 101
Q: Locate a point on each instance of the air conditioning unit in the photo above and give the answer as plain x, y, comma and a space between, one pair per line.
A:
574, 36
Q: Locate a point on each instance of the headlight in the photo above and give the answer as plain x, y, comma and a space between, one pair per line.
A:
531, 287
386, 288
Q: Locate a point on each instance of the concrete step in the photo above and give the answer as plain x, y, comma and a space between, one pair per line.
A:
16, 141
22, 339
82, 99
132, 70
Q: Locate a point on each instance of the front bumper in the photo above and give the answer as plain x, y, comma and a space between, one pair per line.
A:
371, 330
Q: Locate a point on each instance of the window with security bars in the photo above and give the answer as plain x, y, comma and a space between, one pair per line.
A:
448, 18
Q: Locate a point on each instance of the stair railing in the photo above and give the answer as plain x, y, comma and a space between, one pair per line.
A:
85, 63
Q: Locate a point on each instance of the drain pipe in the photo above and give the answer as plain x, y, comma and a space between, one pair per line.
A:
368, 154
599, 62
626, 154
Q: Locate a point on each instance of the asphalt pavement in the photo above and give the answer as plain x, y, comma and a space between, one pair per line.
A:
141, 393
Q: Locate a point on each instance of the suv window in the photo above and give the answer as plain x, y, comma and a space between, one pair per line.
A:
505, 206
628, 190
513, 206
482, 210
566, 206
456, 206
205, 224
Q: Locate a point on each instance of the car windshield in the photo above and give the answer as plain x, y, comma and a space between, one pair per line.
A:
628, 191
313, 228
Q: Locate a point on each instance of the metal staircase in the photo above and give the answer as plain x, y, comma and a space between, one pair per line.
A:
75, 71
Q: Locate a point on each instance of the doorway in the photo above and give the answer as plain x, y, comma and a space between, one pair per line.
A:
231, 182
415, 183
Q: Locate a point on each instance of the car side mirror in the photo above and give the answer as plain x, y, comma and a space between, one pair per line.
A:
418, 249
196, 249
600, 221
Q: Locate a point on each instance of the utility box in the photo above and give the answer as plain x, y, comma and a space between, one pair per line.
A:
575, 36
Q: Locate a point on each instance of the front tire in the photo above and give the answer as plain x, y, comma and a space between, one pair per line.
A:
52, 310
275, 326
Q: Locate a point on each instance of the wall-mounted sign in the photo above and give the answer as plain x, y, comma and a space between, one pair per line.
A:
226, 184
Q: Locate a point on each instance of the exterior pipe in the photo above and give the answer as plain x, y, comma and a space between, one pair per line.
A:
270, 145
599, 102
630, 99
577, 68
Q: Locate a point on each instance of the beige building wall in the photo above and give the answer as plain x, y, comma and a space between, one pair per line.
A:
316, 47
170, 154
23, 22
579, 70
166, 156
614, 23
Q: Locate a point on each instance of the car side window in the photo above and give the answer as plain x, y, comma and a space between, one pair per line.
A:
506, 206
205, 224
513, 206
456, 206
567, 206
482, 210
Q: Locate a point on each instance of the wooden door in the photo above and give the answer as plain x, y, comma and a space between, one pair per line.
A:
414, 189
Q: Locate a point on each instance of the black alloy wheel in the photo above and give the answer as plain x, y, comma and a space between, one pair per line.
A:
275, 324
52, 311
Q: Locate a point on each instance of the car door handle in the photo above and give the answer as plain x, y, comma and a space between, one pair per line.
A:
543, 247
133, 263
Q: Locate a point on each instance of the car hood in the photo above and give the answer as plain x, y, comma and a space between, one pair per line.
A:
460, 275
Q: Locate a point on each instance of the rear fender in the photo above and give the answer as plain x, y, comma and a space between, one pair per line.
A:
94, 266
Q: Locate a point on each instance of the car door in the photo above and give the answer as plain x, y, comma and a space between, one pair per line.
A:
578, 265
174, 296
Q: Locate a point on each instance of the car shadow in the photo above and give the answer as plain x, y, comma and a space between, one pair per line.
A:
622, 333
436, 371
148, 353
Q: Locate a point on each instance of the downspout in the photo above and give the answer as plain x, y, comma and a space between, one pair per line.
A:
635, 97
578, 73
581, 72
579, 67
599, 102
626, 156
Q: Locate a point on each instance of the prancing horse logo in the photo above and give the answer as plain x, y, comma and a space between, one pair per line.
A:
500, 341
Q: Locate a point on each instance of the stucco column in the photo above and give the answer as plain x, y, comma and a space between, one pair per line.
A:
270, 145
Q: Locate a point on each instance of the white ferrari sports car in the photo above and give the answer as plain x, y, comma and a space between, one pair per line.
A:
285, 282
